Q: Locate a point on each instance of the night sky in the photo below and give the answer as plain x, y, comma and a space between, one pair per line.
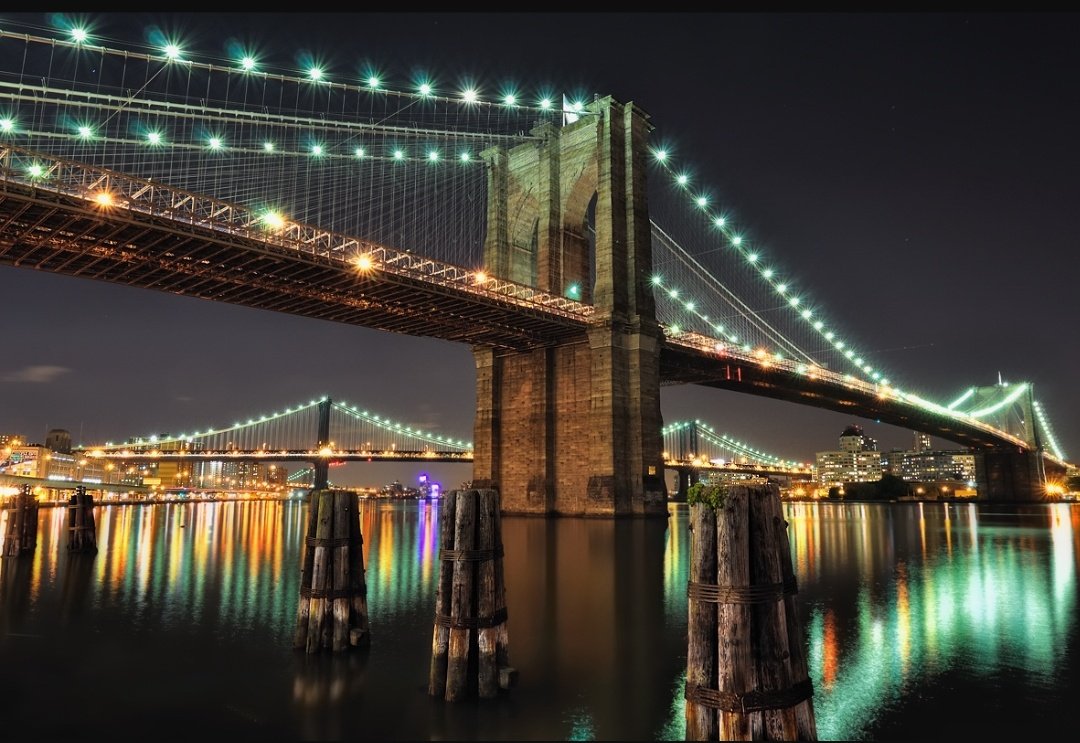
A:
919, 172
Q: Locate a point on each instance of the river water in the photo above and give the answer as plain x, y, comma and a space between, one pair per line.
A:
927, 621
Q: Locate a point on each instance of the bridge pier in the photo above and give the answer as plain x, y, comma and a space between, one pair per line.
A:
573, 429
321, 467
687, 476
1010, 475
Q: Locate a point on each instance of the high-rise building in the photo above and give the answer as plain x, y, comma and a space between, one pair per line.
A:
922, 442
857, 460
854, 439
58, 440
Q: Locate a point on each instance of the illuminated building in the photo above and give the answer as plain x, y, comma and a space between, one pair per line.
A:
928, 466
857, 460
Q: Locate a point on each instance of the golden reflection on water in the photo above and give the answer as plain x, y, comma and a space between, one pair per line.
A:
891, 596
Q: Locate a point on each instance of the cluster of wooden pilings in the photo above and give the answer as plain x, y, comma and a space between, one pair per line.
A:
82, 531
22, 526
747, 676
470, 641
332, 613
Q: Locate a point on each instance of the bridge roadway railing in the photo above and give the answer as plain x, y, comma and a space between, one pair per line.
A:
711, 347
74, 179
135, 454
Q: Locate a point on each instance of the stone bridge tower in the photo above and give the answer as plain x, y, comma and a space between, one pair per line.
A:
574, 429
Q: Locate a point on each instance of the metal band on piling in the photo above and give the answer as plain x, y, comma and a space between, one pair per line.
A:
751, 701
760, 594
493, 620
330, 593
470, 555
328, 541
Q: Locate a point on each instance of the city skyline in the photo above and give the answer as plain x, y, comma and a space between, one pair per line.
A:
911, 214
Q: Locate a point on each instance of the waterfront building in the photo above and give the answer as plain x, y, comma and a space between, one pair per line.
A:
857, 459
930, 466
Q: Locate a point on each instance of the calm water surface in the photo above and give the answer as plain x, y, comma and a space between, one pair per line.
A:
922, 621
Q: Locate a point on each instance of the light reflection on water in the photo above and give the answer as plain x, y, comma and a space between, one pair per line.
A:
187, 611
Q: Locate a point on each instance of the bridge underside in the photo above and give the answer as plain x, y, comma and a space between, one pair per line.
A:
684, 366
48, 231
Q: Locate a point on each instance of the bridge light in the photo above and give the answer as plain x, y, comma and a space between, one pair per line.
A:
7, 125
480, 277
364, 262
736, 241
465, 157
315, 73
794, 301
317, 150
673, 293
172, 51
247, 64
656, 280
399, 154
719, 221
767, 273
373, 82
35, 170
215, 143
781, 288
806, 314
818, 325
510, 99
103, 198
433, 156
268, 146
689, 306
359, 152
702, 201
682, 179
660, 155
79, 35
545, 103
752, 257
574, 291
469, 95
425, 89
153, 138
85, 132
273, 220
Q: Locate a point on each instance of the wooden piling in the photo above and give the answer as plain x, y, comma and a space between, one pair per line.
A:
307, 560
22, 526
701, 655
332, 613
82, 531
762, 688
469, 648
440, 638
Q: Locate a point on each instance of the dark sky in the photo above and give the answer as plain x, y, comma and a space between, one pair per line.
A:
920, 172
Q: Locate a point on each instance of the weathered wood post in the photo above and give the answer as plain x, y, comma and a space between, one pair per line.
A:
22, 526
332, 612
82, 531
747, 676
470, 640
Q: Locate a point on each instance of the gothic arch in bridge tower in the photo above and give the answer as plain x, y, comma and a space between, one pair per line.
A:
574, 428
